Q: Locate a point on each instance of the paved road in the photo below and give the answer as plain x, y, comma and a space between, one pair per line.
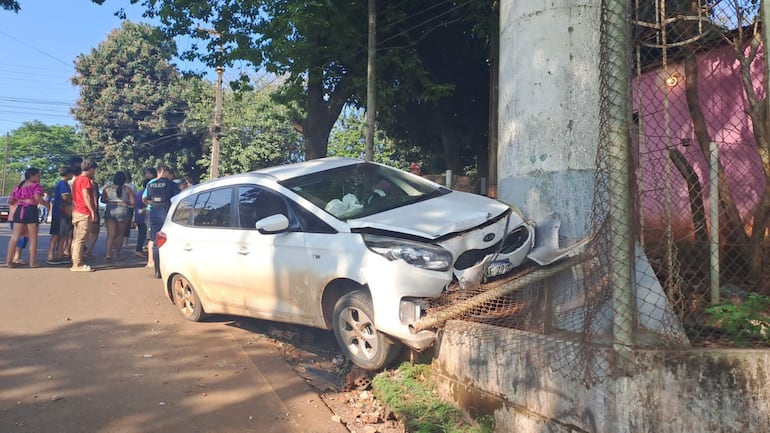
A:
106, 352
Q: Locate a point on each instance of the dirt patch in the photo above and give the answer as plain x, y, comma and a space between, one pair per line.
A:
316, 357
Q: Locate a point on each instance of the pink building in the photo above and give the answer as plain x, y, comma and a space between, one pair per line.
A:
663, 121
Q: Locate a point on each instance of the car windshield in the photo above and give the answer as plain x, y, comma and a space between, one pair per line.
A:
363, 189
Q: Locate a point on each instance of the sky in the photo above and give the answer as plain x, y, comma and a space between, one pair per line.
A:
38, 47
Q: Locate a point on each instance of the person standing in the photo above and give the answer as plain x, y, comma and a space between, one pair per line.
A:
131, 222
84, 213
26, 196
61, 217
150, 175
158, 194
119, 199
93, 228
140, 210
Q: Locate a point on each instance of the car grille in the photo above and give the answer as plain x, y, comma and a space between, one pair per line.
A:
512, 242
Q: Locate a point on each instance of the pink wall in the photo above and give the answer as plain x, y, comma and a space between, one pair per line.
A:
665, 122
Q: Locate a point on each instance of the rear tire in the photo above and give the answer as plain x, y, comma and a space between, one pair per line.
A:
186, 299
353, 321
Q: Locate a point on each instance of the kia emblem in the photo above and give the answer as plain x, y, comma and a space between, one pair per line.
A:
488, 237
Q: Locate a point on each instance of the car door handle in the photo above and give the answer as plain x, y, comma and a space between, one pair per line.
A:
187, 247
243, 251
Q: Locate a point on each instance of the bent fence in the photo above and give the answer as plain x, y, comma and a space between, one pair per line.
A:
679, 257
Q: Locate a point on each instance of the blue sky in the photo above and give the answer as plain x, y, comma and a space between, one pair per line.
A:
37, 49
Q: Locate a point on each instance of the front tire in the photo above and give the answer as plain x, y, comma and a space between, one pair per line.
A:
186, 299
360, 341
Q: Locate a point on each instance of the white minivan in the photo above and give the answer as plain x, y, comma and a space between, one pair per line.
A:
334, 243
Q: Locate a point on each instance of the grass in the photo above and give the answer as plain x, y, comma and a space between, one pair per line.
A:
410, 394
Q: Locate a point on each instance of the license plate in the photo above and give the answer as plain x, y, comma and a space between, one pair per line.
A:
499, 267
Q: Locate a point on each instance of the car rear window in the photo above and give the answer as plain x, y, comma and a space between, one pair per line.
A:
184, 210
212, 208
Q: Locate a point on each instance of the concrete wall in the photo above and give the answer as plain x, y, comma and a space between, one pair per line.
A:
490, 370
549, 105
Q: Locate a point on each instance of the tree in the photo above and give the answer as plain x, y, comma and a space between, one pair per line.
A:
445, 114
257, 132
348, 139
10, 5
316, 45
320, 48
46, 147
737, 24
132, 104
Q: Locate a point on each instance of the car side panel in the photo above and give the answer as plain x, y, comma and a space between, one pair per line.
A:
273, 277
206, 256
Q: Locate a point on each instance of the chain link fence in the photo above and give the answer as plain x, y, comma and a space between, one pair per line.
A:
679, 255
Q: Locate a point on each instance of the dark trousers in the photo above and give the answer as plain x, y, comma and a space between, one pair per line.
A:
141, 236
157, 217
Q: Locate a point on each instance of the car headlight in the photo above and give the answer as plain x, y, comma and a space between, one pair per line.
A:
425, 256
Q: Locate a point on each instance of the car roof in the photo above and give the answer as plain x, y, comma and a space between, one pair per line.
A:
289, 171
277, 174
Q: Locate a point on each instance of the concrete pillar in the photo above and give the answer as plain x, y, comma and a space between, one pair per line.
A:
549, 108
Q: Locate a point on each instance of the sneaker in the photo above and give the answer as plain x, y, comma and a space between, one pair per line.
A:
54, 262
84, 268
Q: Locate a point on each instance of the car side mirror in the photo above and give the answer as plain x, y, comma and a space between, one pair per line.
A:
272, 224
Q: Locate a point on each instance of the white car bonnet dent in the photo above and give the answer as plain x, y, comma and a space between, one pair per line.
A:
437, 217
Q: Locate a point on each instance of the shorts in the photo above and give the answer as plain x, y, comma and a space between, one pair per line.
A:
117, 213
26, 215
65, 226
55, 225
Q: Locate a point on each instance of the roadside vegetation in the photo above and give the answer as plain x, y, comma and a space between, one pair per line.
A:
410, 393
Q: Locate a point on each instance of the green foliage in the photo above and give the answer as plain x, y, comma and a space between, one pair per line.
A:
10, 5
46, 147
432, 68
132, 105
256, 132
410, 393
745, 320
348, 138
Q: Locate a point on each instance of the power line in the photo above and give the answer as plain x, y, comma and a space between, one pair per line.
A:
433, 18
35, 48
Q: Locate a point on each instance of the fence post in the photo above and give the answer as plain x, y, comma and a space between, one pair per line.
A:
714, 216
616, 71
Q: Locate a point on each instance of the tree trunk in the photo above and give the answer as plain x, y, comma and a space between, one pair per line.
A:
449, 140
737, 235
321, 114
757, 111
695, 194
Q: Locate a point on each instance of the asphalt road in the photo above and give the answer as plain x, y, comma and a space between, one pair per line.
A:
106, 352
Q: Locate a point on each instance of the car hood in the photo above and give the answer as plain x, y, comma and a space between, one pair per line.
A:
437, 217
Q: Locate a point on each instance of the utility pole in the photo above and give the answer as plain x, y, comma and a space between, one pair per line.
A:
216, 128
371, 100
5, 160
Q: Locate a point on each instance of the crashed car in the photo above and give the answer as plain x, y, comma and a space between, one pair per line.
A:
336, 243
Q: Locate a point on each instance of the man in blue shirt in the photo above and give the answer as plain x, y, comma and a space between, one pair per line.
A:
61, 218
157, 195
